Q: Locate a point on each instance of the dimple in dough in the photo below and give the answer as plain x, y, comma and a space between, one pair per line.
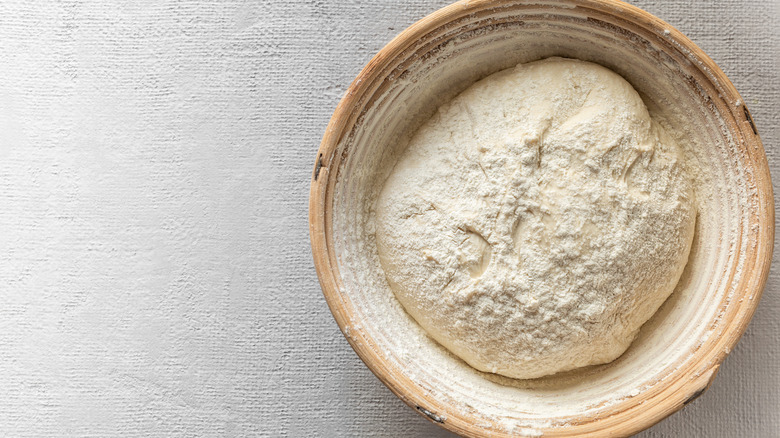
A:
537, 220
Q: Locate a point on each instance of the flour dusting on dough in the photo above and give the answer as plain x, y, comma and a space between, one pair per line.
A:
537, 220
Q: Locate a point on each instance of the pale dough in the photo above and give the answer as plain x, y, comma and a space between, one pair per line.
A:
536, 221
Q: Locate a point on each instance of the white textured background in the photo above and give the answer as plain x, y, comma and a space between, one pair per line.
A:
155, 272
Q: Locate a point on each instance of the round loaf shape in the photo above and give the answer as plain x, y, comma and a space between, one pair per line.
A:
537, 220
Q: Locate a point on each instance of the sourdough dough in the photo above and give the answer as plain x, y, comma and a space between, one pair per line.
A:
536, 221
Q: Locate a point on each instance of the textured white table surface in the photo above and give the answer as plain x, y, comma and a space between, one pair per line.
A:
155, 271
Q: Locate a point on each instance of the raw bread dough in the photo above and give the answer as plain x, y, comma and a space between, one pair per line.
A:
536, 221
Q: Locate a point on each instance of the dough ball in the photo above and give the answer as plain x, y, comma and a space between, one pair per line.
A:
537, 220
